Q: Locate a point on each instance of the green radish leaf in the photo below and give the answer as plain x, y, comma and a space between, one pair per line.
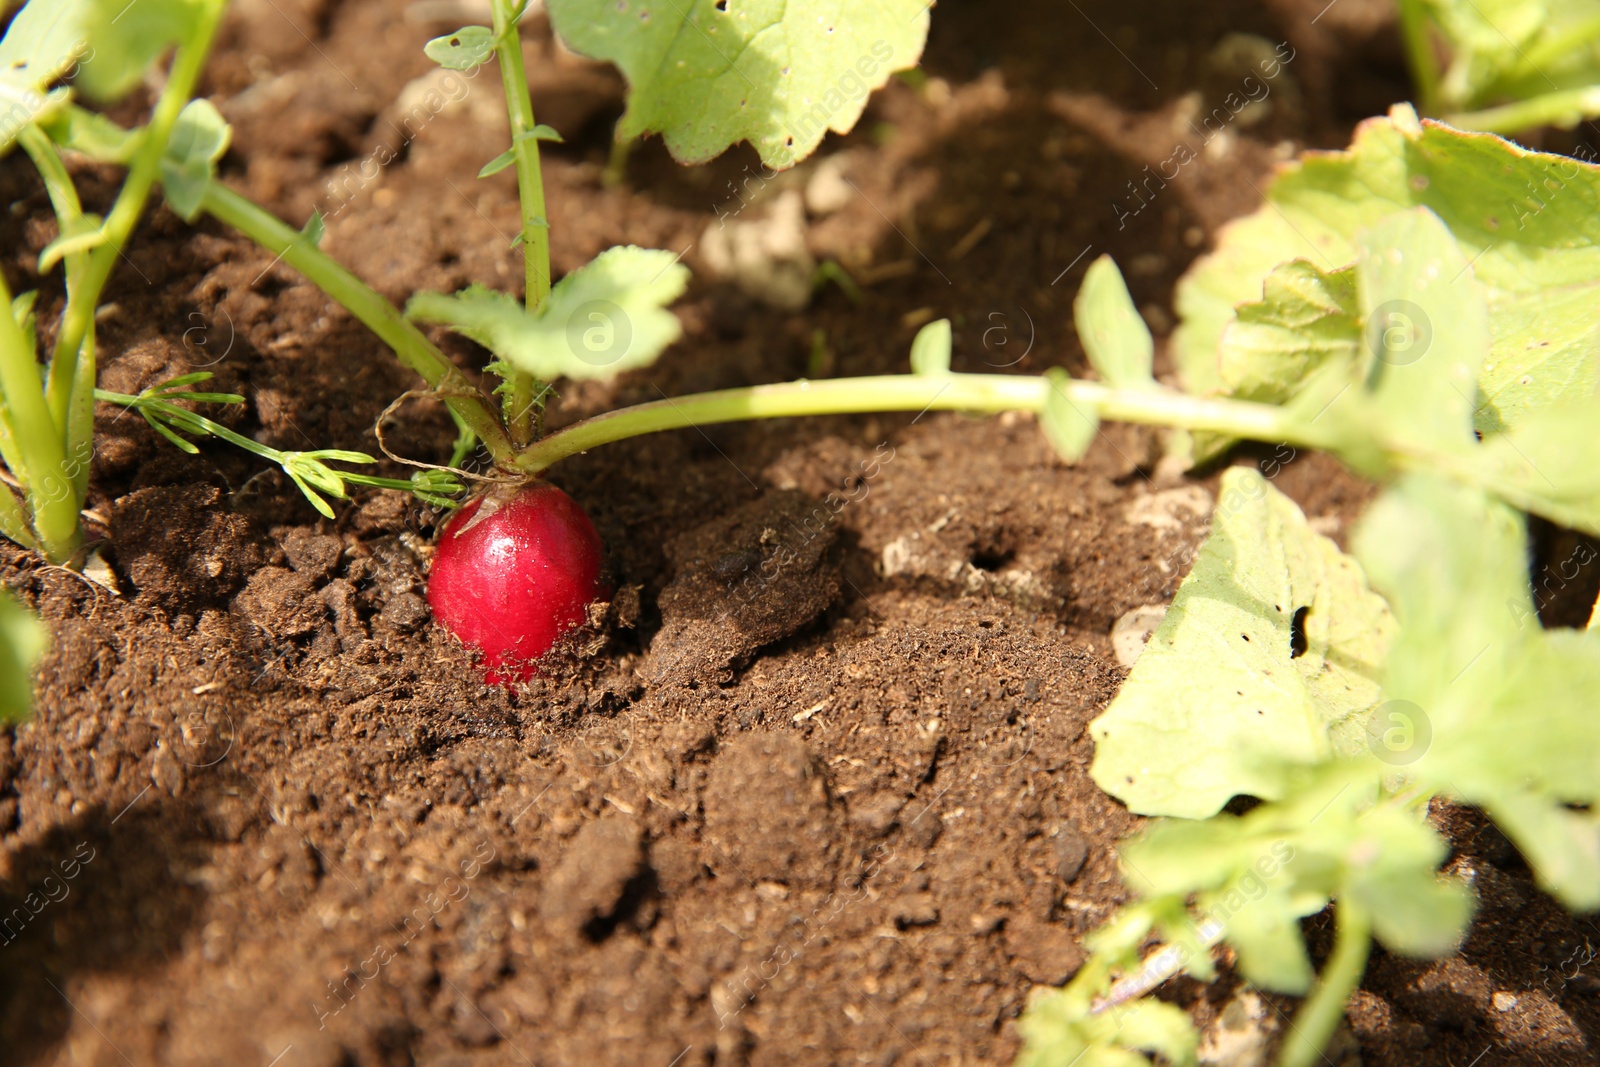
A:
1427, 330
1550, 465
1059, 1030
1306, 319
1501, 706
22, 642
1528, 222
499, 163
1336, 834
199, 139
316, 227
505, 159
930, 349
1267, 660
1116, 339
602, 319
1272, 953
93, 134
42, 44
79, 235
706, 74
466, 49
125, 38
1390, 871
1068, 426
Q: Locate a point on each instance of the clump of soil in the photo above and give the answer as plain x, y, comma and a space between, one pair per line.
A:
818, 791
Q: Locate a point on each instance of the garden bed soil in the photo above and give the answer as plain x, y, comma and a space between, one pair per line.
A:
266, 812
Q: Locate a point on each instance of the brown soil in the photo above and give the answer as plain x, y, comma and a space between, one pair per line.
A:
266, 814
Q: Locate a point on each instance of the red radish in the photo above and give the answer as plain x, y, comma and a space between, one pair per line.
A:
513, 572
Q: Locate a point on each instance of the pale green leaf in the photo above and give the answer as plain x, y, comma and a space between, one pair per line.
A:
466, 49
1069, 426
1220, 703
930, 349
1272, 954
22, 641
602, 319
81, 233
125, 37
1426, 330
43, 43
1550, 465
91, 133
1058, 1031
1115, 338
316, 227
1306, 319
1390, 862
1528, 222
1507, 704
498, 163
706, 74
189, 164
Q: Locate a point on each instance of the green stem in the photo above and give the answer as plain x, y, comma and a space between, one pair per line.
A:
904, 392
68, 365
1320, 1014
35, 438
1419, 54
57, 182
410, 345
521, 404
69, 396
161, 411
1564, 109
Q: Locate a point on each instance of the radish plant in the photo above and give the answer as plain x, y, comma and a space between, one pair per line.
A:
1345, 691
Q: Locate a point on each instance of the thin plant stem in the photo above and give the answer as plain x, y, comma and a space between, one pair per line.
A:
522, 401
71, 364
904, 392
69, 397
1564, 109
1320, 1014
410, 345
1420, 56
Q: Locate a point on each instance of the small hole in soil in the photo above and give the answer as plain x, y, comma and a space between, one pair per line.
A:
992, 559
633, 907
